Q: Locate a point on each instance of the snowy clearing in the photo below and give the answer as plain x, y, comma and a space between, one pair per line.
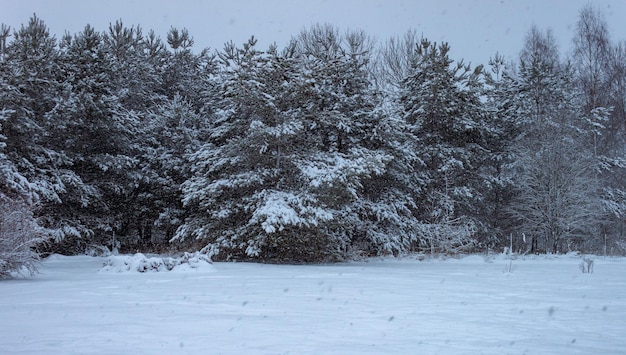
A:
468, 306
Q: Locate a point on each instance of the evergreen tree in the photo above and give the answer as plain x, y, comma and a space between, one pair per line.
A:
135, 75
348, 133
173, 132
241, 195
100, 145
187, 74
440, 102
500, 183
29, 86
287, 155
37, 169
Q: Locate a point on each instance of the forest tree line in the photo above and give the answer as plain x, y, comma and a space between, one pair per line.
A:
331, 148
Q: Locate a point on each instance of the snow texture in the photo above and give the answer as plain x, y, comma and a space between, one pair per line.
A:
546, 305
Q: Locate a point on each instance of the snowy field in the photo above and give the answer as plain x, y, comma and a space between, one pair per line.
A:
468, 306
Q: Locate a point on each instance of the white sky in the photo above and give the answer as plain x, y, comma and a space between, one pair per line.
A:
475, 29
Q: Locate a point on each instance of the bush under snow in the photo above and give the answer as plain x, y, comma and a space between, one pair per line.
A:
141, 263
19, 234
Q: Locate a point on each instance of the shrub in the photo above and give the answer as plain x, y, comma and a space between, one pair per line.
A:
586, 266
19, 234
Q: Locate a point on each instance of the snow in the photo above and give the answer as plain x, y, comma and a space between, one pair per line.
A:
282, 209
141, 263
393, 306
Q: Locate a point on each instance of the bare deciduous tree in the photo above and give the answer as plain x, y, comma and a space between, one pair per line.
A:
556, 200
395, 57
590, 57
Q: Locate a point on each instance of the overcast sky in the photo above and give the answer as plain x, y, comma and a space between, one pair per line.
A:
475, 29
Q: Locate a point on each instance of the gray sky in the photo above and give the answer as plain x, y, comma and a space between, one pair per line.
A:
475, 29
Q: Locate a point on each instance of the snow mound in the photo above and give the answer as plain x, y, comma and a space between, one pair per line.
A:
141, 263
57, 257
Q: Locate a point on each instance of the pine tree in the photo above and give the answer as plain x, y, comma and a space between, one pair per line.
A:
500, 145
241, 195
174, 131
100, 145
441, 104
289, 153
38, 170
187, 74
29, 71
135, 75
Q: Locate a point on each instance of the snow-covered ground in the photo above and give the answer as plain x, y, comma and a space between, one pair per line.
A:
467, 306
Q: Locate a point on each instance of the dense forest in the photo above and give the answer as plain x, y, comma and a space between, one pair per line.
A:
333, 148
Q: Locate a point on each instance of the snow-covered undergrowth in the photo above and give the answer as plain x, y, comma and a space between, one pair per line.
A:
141, 263
391, 306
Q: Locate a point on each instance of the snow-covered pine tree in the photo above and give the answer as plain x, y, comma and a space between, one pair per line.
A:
377, 218
135, 75
174, 131
135, 82
244, 195
166, 92
440, 101
188, 74
355, 140
287, 155
499, 183
100, 145
384, 217
38, 169
29, 85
